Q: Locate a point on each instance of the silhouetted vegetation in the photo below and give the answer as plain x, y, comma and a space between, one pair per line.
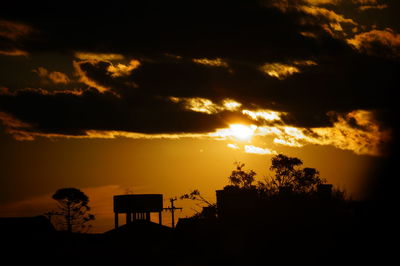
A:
290, 218
289, 177
207, 206
196, 196
73, 210
241, 178
283, 220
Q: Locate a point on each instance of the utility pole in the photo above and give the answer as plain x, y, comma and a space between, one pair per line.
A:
172, 209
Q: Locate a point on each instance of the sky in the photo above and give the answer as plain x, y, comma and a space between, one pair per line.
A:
164, 97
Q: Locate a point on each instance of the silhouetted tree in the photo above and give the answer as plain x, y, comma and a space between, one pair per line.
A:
290, 177
195, 195
285, 170
241, 178
73, 207
307, 180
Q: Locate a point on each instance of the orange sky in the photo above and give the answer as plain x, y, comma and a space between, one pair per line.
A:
103, 168
166, 97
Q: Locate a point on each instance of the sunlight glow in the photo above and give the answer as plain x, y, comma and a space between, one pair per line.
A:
236, 131
242, 132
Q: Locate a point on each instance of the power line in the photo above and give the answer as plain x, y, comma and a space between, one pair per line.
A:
172, 209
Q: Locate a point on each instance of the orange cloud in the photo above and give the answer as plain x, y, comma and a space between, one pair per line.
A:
6, 91
365, 2
251, 149
53, 76
368, 7
369, 4
334, 20
83, 77
290, 136
14, 52
108, 68
217, 62
266, 115
21, 130
9, 121
357, 131
305, 63
27, 133
322, 2
308, 34
98, 56
233, 146
133, 135
14, 30
326, 13
203, 105
120, 70
282, 71
258, 150
372, 42
15, 127
328, 19
278, 70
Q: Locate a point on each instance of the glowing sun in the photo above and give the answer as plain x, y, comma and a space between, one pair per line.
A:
242, 132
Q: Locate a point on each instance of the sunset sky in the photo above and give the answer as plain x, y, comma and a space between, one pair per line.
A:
152, 97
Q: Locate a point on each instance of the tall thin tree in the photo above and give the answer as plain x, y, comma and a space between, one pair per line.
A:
73, 207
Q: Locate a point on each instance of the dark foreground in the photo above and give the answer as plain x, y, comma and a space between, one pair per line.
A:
295, 234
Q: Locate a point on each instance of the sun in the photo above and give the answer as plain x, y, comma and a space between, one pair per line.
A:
242, 132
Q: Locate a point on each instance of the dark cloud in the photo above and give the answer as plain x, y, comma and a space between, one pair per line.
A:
73, 114
244, 34
11, 34
242, 30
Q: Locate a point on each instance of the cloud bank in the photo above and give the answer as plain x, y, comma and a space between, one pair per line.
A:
302, 71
